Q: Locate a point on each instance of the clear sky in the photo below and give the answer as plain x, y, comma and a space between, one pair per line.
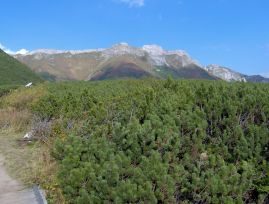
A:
233, 33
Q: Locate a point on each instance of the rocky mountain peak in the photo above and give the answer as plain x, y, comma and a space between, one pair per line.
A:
225, 73
153, 49
122, 44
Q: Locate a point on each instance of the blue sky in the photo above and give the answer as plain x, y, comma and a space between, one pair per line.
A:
233, 33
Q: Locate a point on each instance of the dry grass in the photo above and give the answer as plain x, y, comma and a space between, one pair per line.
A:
23, 98
16, 157
44, 173
18, 120
31, 163
15, 108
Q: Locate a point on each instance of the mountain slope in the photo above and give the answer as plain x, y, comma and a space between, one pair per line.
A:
119, 61
225, 73
257, 78
13, 72
121, 67
230, 75
124, 61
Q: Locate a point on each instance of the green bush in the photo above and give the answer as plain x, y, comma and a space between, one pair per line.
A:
5, 89
155, 141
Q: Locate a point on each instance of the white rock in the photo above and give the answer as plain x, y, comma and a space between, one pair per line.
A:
28, 135
204, 156
225, 73
29, 85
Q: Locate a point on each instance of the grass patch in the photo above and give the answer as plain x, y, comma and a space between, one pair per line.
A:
18, 120
17, 157
30, 163
23, 98
6, 89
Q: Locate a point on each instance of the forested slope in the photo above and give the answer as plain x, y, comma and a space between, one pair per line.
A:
155, 141
13, 72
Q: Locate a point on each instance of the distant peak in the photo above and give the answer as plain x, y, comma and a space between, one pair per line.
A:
217, 67
158, 50
52, 51
22, 52
47, 51
122, 44
154, 49
225, 73
214, 66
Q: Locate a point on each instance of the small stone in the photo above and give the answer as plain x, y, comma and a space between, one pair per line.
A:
204, 156
28, 136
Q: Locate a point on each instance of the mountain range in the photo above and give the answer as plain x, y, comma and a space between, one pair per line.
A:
124, 61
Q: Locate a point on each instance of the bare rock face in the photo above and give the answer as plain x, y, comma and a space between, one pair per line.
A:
225, 73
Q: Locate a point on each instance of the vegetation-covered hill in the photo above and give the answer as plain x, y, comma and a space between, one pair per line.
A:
13, 72
154, 141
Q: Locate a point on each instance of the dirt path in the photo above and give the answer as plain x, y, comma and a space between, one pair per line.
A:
12, 191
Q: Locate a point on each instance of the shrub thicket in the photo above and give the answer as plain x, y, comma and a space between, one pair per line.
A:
161, 141
6, 89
